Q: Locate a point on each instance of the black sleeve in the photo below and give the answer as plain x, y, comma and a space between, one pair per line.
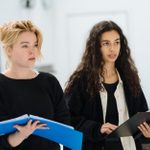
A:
141, 106
77, 101
141, 103
4, 145
61, 110
60, 107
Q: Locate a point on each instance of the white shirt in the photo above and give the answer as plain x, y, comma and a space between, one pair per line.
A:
128, 143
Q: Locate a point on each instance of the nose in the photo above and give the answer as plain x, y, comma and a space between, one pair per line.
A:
111, 47
31, 51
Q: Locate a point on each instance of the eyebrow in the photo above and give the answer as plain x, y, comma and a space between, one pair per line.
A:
118, 39
26, 42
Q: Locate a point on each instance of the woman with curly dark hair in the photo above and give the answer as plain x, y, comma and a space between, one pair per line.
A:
104, 91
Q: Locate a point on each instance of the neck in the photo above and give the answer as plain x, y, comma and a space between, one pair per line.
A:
23, 73
109, 74
109, 70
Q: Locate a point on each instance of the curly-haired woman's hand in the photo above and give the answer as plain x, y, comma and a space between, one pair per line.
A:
107, 128
145, 129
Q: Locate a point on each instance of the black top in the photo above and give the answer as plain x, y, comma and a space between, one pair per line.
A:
87, 114
111, 111
41, 96
112, 114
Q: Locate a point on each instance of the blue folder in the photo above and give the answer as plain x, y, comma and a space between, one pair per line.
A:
7, 125
55, 131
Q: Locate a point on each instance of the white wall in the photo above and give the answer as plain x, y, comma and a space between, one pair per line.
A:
65, 25
40, 14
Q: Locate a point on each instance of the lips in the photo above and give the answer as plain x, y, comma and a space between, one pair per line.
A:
33, 58
112, 56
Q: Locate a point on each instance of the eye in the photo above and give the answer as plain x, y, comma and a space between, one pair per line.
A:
105, 44
117, 43
25, 46
36, 45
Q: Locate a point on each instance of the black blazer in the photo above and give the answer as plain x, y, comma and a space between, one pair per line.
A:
87, 115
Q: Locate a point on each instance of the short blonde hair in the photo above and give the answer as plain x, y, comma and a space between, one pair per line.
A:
9, 33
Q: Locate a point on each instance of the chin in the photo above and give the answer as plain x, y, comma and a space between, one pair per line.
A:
111, 61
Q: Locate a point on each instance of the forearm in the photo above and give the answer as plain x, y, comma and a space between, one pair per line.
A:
16, 139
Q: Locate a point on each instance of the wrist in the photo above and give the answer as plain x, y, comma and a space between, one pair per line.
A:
21, 136
15, 139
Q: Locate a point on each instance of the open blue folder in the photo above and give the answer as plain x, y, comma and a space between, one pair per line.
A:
55, 131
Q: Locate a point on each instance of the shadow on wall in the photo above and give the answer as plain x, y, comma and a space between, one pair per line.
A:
45, 68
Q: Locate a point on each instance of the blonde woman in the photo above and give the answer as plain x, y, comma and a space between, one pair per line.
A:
26, 91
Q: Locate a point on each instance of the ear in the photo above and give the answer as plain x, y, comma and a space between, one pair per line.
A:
9, 51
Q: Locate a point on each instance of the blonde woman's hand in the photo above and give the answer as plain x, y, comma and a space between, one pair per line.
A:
145, 129
29, 128
107, 128
23, 132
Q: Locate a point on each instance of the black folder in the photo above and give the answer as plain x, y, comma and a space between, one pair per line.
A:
130, 127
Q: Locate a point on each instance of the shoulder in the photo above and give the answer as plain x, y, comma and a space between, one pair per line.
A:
48, 78
80, 82
4, 80
2, 77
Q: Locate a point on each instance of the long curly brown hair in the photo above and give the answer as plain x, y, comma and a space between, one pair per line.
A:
92, 62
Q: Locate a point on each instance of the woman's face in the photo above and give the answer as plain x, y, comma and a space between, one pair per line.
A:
110, 46
25, 51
